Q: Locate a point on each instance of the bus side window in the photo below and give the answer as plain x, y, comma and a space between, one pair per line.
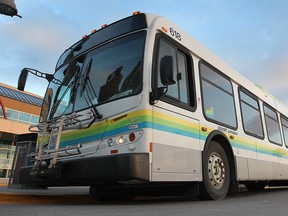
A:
251, 116
218, 97
284, 122
272, 123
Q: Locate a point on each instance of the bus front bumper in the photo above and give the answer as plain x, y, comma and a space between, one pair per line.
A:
88, 171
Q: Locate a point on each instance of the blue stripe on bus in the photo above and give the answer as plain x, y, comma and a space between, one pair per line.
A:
168, 129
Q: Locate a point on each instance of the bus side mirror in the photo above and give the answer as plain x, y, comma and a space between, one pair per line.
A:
166, 71
166, 77
22, 79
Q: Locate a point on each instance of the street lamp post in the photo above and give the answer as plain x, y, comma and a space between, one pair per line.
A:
8, 7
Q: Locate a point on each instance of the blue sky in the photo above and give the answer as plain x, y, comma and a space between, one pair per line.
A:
249, 35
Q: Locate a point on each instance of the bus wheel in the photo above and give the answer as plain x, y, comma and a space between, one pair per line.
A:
216, 173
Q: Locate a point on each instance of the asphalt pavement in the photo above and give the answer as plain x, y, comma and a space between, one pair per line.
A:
77, 201
40, 191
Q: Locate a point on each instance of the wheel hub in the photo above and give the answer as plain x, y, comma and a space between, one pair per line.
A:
216, 170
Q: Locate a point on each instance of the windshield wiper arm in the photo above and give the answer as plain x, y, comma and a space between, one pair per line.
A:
58, 102
86, 86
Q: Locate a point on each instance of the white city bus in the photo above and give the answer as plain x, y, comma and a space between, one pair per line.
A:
139, 107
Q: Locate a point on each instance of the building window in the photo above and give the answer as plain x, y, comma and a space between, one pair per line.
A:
6, 158
24, 117
12, 114
1, 112
34, 119
218, 98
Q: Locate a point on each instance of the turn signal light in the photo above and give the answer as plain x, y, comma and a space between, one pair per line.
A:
132, 137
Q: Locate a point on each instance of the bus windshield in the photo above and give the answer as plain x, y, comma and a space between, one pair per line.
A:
107, 72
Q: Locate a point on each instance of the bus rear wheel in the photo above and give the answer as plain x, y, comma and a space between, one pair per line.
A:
216, 173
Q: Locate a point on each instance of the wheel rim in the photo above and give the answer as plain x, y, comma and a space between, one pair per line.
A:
216, 170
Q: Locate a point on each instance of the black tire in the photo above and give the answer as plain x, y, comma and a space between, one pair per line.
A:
216, 173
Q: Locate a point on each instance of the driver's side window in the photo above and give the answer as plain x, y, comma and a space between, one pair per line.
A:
179, 90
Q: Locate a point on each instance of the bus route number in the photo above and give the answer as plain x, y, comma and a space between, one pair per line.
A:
175, 34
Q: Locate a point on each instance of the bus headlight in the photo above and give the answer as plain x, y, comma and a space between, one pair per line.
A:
120, 140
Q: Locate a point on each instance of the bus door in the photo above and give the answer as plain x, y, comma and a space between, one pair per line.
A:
176, 154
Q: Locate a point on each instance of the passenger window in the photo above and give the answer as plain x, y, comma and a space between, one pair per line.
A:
251, 116
218, 99
272, 125
284, 121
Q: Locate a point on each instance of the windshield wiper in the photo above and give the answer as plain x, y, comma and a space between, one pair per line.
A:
90, 96
57, 101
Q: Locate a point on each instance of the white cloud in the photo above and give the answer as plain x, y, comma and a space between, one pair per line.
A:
35, 41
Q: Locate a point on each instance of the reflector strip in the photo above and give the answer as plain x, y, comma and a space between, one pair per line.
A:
115, 151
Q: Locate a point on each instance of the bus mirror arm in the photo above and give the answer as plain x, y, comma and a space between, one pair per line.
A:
156, 94
24, 74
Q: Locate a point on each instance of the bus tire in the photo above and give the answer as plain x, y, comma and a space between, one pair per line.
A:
216, 173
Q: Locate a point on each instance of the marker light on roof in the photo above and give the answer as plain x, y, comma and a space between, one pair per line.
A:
104, 26
136, 13
84, 36
93, 31
164, 29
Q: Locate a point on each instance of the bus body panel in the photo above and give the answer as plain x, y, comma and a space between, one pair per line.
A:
89, 171
176, 152
170, 140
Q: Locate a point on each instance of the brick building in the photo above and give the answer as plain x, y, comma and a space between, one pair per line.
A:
18, 110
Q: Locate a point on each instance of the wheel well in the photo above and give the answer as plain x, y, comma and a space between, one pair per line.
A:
224, 142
